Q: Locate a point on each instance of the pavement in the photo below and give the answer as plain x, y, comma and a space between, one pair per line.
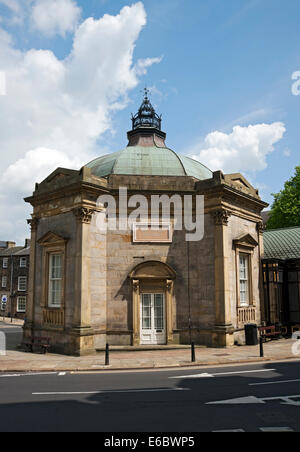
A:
122, 359
7, 321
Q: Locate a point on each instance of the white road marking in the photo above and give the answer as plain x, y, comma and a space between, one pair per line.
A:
27, 374
196, 376
205, 375
239, 401
286, 400
273, 382
276, 429
112, 392
62, 374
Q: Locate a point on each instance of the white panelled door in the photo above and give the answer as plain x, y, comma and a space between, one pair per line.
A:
153, 322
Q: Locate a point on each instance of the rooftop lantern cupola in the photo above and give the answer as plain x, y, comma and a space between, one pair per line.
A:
146, 116
146, 123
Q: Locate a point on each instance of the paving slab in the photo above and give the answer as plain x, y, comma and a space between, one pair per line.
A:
18, 361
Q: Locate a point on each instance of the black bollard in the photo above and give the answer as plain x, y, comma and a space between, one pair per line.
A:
107, 355
261, 346
193, 352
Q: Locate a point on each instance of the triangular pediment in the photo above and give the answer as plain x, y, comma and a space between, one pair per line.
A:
246, 240
239, 182
50, 238
57, 176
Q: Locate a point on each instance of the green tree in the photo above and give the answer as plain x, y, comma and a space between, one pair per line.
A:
285, 211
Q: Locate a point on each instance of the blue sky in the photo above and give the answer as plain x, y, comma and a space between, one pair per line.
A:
214, 66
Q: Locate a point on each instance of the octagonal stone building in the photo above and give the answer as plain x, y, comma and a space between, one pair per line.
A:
138, 286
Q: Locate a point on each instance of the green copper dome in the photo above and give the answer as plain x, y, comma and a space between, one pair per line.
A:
146, 153
148, 161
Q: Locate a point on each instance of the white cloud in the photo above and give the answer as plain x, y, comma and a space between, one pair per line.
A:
55, 110
244, 150
36, 165
16, 9
52, 17
142, 65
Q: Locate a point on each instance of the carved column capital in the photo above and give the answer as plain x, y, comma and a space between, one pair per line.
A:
169, 285
260, 227
221, 216
136, 285
33, 223
84, 214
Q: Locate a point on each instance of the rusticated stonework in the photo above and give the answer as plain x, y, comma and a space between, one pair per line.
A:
84, 214
221, 216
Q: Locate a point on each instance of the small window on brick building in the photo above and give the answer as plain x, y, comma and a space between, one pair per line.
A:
4, 281
23, 262
22, 283
21, 304
5, 262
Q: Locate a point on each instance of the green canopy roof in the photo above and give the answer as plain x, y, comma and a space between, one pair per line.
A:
148, 161
282, 243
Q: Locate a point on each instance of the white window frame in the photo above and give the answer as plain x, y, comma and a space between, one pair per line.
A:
23, 262
5, 262
23, 310
4, 282
20, 279
246, 279
51, 280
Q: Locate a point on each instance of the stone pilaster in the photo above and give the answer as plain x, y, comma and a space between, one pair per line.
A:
223, 333
83, 340
29, 323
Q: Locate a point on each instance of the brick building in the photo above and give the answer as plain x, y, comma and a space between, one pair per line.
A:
14, 270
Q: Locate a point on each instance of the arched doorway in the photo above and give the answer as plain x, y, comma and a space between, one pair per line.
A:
152, 297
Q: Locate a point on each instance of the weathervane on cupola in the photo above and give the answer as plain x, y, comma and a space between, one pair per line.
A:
146, 116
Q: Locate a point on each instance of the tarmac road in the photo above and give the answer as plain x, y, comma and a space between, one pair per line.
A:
154, 401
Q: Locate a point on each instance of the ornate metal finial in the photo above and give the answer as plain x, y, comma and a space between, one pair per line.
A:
146, 92
146, 116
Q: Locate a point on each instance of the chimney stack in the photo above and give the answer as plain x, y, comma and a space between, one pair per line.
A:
10, 244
